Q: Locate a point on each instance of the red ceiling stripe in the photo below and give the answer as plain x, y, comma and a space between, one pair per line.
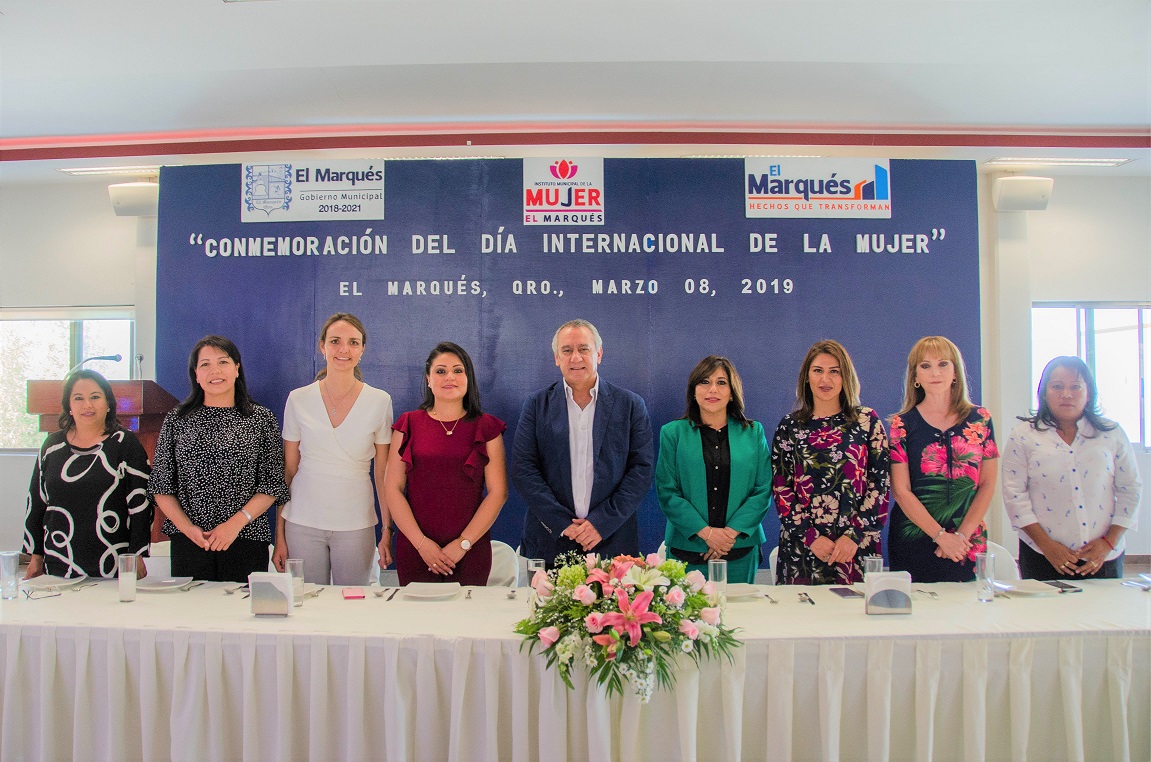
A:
293, 139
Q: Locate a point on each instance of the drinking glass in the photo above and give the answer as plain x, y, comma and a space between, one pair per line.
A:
126, 568
535, 565
985, 577
9, 574
872, 564
717, 575
296, 569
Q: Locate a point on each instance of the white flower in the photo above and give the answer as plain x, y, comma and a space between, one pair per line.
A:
645, 579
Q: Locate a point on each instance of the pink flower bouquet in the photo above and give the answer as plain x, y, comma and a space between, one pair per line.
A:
624, 619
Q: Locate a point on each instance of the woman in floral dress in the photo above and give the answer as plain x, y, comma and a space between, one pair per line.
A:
830, 463
942, 471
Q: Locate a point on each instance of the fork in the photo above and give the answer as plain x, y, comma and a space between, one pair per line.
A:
765, 595
934, 595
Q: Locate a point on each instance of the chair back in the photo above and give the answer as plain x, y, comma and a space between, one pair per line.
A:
771, 562
1005, 567
505, 565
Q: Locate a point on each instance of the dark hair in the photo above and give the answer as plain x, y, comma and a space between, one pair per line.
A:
471, 397
848, 392
354, 322
1090, 410
700, 373
65, 421
195, 399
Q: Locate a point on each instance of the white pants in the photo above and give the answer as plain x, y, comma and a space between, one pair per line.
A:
337, 558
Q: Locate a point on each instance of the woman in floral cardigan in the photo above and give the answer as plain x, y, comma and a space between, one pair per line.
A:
943, 468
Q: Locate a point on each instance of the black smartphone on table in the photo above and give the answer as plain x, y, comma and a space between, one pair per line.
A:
846, 592
1064, 587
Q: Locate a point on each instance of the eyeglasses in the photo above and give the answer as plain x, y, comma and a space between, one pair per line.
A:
35, 595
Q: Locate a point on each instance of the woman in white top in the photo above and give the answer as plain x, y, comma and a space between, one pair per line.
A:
1070, 481
333, 429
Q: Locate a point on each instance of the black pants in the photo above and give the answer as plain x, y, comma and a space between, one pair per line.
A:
1034, 565
241, 558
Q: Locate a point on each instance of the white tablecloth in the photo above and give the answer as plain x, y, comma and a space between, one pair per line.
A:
192, 675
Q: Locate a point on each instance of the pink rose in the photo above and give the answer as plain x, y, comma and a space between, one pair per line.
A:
675, 597
542, 584
710, 615
695, 580
653, 559
688, 628
584, 595
549, 635
709, 588
594, 622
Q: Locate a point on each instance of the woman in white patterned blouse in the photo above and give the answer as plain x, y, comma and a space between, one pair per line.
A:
1070, 482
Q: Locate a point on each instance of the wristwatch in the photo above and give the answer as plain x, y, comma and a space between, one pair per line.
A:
465, 543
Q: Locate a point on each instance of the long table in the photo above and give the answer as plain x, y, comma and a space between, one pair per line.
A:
193, 675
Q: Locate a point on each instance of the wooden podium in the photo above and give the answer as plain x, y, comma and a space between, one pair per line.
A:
141, 406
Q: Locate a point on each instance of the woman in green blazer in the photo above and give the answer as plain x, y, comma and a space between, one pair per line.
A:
714, 475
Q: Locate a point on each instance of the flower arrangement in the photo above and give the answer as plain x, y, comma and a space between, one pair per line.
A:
624, 619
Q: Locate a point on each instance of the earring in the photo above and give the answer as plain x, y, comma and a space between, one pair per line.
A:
916, 384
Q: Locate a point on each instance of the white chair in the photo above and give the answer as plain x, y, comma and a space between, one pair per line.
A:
505, 565
771, 561
662, 552
159, 560
1005, 567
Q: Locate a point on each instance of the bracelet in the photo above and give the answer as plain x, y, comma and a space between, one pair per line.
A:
942, 532
250, 519
1108, 542
710, 532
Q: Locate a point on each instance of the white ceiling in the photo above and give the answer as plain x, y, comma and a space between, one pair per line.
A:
1063, 78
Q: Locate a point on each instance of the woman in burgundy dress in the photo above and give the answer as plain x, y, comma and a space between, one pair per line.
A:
444, 457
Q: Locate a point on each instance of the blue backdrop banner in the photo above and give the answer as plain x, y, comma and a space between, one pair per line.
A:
672, 259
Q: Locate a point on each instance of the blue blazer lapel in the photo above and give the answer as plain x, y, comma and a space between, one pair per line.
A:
603, 416
560, 444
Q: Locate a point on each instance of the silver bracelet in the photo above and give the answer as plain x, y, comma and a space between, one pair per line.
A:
250, 519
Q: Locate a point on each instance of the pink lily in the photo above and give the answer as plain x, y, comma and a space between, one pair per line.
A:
600, 576
608, 642
619, 566
632, 615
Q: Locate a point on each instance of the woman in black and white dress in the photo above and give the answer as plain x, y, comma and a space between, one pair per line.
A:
88, 500
219, 467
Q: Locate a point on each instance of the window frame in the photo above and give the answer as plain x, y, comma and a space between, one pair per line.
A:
76, 317
1086, 348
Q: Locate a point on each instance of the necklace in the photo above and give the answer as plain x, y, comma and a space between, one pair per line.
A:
447, 431
336, 403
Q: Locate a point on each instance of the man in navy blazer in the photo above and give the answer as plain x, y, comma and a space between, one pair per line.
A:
583, 456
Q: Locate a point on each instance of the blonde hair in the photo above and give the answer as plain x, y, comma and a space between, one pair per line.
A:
848, 394
944, 348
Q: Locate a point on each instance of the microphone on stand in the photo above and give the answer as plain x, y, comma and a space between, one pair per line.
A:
110, 358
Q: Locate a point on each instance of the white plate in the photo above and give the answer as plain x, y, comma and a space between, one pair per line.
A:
1026, 587
161, 584
431, 591
742, 591
45, 581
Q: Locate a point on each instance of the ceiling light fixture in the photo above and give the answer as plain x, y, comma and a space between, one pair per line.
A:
142, 170
1023, 161
754, 156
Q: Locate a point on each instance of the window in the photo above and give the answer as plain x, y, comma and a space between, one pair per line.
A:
38, 348
1112, 340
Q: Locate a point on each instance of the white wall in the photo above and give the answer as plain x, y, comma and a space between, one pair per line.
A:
61, 245
1092, 243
